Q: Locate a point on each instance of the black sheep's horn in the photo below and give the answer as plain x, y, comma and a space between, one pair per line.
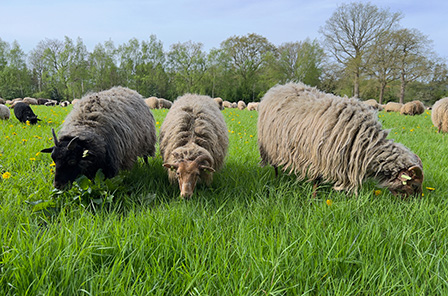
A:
56, 142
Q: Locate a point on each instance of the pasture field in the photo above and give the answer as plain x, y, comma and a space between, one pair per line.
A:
248, 234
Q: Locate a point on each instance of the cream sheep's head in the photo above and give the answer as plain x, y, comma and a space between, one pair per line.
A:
189, 172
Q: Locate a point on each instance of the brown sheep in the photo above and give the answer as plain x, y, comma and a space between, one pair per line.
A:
152, 102
412, 108
393, 107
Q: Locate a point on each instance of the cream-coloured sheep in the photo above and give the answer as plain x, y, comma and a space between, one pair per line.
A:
320, 136
227, 104
412, 108
219, 101
152, 102
393, 107
253, 106
374, 104
193, 141
241, 105
30, 101
439, 115
4, 112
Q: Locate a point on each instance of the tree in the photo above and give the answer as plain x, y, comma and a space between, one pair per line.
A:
414, 60
103, 69
351, 30
187, 65
247, 55
382, 61
300, 61
14, 77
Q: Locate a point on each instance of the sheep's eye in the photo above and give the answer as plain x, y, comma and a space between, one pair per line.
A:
177, 174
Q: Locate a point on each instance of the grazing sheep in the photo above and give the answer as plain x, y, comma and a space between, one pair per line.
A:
193, 141
374, 104
234, 105
338, 140
51, 103
152, 102
412, 108
107, 130
241, 105
227, 104
30, 101
41, 101
252, 106
164, 104
219, 101
4, 112
9, 102
393, 107
24, 113
439, 115
64, 104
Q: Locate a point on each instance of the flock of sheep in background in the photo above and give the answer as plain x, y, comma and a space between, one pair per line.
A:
318, 136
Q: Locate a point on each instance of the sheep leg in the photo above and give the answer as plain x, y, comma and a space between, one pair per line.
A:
276, 171
316, 183
440, 127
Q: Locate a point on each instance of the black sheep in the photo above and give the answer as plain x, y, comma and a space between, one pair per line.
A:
24, 113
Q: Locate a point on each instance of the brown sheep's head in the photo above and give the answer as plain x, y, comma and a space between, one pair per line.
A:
407, 182
189, 172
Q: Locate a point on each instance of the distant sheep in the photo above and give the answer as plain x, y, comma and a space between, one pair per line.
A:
4, 112
393, 107
439, 115
227, 104
193, 141
412, 108
9, 102
219, 101
235, 105
41, 101
24, 113
374, 104
64, 104
152, 102
320, 136
241, 105
51, 103
30, 101
107, 130
2, 101
164, 104
252, 106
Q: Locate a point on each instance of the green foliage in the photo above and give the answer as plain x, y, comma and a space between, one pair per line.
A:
248, 234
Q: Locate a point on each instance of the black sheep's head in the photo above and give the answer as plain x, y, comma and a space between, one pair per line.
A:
32, 119
72, 158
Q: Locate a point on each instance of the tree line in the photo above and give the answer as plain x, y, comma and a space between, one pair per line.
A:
364, 53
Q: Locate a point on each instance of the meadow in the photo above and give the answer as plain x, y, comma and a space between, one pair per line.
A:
248, 234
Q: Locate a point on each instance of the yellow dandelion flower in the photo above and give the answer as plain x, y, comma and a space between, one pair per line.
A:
38, 125
11, 125
1, 155
232, 132
24, 140
27, 122
157, 123
14, 134
233, 119
6, 175
32, 158
329, 202
412, 130
251, 136
377, 192
24, 127
52, 164
430, 188
239, 122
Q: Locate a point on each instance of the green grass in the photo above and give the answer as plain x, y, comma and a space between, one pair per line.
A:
248, 234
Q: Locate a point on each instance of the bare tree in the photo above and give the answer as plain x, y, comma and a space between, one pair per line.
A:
351, 30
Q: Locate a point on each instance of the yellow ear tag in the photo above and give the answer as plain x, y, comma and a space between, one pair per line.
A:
405, 177
84, 154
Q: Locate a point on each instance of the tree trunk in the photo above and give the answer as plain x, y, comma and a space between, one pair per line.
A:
402, 87
382, 88
356, 84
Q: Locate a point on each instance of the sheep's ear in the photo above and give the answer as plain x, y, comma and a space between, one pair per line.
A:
47, 150
206, 168
416, 173
171, 166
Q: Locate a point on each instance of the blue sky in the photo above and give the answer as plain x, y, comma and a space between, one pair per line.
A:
205, 21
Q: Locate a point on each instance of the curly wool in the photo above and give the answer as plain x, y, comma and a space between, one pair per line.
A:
439, 115
117, 122
322, 136
194, 126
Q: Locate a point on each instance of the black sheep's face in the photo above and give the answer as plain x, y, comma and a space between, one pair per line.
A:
32, 119
71, 159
